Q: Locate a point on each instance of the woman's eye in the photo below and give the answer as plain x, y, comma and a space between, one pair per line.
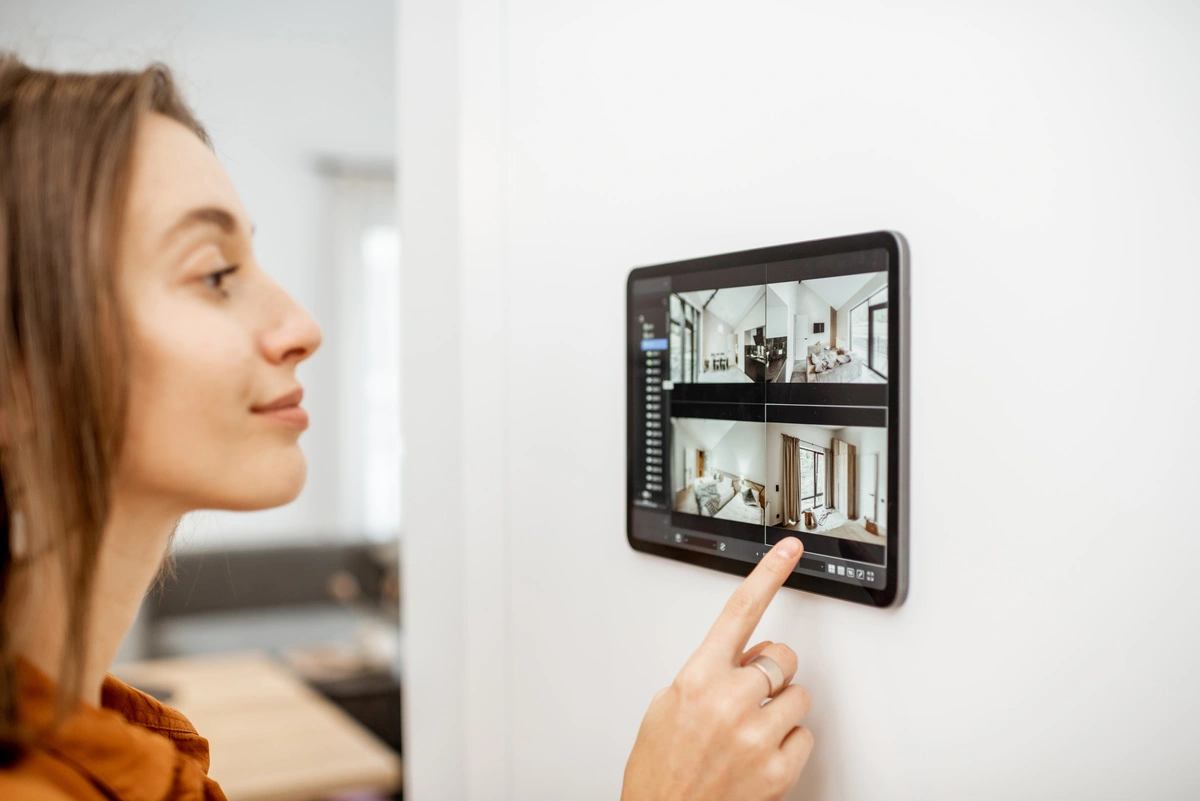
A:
216, 279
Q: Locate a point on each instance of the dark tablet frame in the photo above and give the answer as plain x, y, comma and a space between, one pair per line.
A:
895, 591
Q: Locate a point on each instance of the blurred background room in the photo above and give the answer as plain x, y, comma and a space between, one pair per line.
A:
278, 633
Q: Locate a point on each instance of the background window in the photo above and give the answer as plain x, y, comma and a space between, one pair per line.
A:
812, 479
366, 259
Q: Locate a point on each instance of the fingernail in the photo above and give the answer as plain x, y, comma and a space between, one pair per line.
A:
788, 548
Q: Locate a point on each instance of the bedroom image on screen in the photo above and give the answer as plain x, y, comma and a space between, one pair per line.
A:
832, 330
828, 480
718, 336
718, 469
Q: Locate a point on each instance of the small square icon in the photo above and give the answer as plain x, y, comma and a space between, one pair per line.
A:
860, 574
841, 570
832, 568
870, 575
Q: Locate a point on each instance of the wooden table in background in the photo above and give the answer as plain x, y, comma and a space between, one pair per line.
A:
271, 736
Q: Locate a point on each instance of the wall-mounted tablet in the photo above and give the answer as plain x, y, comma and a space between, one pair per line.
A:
767, 397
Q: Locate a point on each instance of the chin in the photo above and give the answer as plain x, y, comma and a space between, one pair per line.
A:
276, 487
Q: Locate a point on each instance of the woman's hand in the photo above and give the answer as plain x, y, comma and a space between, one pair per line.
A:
708, 737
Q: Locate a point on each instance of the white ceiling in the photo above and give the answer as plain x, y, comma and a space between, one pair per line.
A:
838, 290
707, 433
730, 304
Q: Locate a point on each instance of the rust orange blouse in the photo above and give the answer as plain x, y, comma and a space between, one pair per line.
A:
131, 748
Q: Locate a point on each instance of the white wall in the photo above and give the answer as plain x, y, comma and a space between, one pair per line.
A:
1039, 157
718, 336
740, 452
817, 308
869, 442
755, 318
683, 445
777, 313
278, 85
787, 293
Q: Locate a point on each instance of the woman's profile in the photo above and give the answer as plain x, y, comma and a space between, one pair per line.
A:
148, 369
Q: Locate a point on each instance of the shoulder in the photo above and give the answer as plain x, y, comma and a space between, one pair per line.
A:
37, 778
40, 777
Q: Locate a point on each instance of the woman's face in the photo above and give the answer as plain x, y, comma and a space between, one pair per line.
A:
213, 339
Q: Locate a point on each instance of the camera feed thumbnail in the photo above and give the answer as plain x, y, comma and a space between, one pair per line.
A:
833, 330
828, 480
718, 469
822, 331
718, 336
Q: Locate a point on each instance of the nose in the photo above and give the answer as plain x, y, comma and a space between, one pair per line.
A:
297, 335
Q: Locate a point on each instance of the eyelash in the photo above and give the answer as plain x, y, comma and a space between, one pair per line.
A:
214, 279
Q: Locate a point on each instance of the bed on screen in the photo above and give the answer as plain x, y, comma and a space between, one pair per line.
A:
726, 497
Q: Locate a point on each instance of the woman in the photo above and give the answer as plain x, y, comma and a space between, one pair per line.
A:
147, 368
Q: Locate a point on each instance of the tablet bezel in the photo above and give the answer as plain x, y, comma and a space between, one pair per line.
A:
896, 569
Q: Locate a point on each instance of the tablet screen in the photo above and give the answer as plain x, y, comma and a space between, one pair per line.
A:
763, 405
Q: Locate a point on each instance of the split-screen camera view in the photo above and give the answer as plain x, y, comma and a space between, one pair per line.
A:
823, 479
821, 331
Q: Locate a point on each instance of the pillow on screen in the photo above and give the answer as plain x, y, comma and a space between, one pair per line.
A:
708, 498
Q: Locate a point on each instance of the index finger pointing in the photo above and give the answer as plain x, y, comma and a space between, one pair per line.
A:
737, 621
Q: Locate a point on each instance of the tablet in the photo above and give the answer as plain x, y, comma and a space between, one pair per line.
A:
767, 397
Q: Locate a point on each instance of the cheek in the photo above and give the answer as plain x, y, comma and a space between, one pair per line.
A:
189, 418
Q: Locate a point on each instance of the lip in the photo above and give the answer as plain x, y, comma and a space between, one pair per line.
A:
286, 410
293, 398
292, 416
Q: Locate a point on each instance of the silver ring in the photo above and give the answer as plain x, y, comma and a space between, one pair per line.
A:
771, 670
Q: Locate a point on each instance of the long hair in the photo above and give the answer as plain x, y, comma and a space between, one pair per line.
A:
66, 153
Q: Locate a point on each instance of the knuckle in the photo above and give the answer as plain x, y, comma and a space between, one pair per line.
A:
749, 738
728, 711
799, 697
777, 774
689, 683
805, 700
806, 739
755, 650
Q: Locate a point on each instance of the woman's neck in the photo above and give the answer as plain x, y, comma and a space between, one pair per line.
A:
131, 553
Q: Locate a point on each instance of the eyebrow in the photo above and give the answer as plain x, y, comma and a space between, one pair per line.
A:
205, 215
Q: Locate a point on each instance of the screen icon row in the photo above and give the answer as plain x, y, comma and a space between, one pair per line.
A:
857, 573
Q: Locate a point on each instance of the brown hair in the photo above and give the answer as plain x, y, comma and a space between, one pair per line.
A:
66, 151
